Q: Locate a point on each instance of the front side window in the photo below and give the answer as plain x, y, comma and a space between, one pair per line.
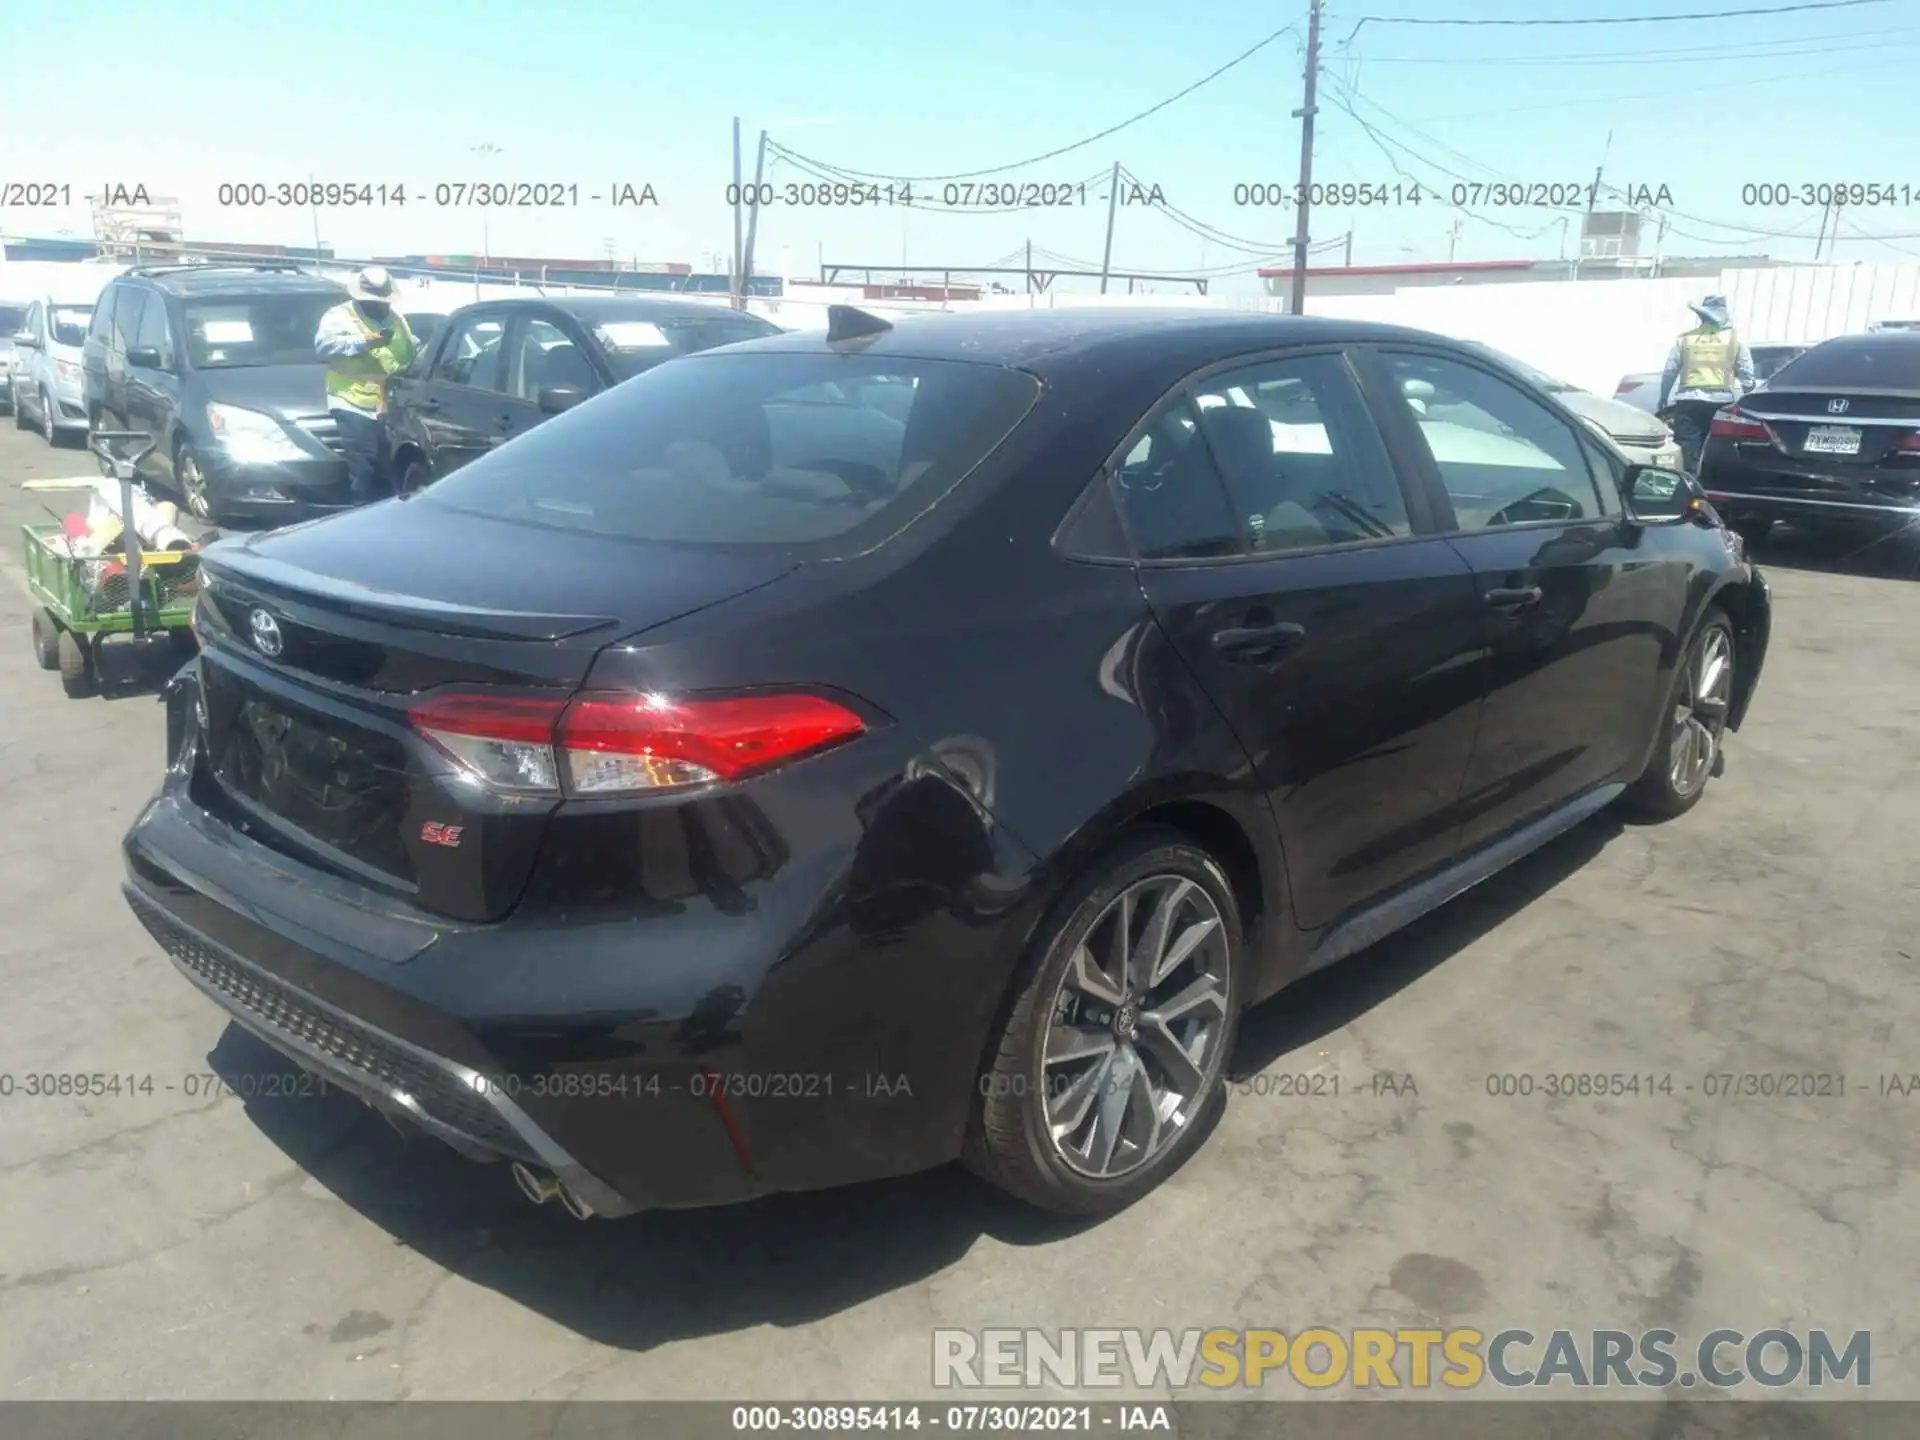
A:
153, 331
1503, 457
1300, 454
102, 327
127, 314
736, 449
471, 355
234, 332
633, 345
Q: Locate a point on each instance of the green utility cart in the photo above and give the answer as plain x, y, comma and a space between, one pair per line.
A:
137, 600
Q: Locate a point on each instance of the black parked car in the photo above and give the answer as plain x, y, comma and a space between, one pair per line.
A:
503, 366
1832, 440
823, 757
217, 362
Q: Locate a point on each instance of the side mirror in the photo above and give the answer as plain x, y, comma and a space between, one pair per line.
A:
143, 357
555, 398
1657, 496
24, 339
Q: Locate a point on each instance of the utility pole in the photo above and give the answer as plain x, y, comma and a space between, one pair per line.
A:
1346, 260
1820, 238
1593, 198
1453, 238
733, 276
1302, 209
1113, 204
753, 224
1029, 273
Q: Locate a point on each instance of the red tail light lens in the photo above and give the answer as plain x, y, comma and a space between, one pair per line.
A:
1908, 441
1733, 424
627, 744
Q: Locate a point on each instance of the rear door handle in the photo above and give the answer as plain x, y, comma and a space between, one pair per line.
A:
1258, 644
1517, 598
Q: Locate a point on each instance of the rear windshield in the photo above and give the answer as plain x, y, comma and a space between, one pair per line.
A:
636, 345
749, 449
1857, 362
241, 331
70, 324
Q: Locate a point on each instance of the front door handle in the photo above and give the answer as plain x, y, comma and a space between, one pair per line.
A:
1517, 598
1258, 644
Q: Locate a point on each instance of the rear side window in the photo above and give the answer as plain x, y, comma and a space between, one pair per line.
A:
746, 449
1863, 362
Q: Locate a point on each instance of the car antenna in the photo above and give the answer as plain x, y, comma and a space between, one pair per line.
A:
845, 322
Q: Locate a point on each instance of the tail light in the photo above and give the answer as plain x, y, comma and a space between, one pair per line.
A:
1733, 423
627, 744
1908, 441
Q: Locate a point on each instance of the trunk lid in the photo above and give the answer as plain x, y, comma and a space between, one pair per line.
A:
316, 639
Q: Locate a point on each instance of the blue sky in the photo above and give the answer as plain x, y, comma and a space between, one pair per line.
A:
600, 93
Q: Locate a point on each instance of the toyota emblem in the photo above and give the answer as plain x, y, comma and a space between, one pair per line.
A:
266, 633
1836, 407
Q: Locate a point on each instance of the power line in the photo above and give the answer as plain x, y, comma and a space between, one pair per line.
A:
1667, 94
1206, 79
1531, 21
1702, 56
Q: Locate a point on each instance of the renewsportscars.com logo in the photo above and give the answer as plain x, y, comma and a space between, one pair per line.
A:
1377, 1359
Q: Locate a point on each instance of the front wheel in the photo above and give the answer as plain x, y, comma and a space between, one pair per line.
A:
1112, 1058
1692, 725
191, 479
415, 478
20, 421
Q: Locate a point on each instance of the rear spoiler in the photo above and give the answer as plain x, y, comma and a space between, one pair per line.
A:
230, 562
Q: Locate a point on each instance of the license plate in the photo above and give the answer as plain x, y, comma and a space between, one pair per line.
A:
1833, 440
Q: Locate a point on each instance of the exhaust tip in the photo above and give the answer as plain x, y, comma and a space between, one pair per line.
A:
537, 1188
574, 1205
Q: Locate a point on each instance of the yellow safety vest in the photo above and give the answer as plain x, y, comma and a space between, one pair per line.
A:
361, 380
1709, 358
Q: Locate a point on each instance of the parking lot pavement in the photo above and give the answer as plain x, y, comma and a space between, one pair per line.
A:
180, 1244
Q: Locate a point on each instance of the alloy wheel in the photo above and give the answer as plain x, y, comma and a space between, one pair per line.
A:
1134, 1041
193, 486
49, 432
1700, 713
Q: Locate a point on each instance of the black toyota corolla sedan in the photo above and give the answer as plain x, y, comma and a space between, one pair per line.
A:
1832, 441
832, 755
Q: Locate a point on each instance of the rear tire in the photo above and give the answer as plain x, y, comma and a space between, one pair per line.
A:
76, 666
1692, 723
46, 639
20, 421
1067, 1115
49, 416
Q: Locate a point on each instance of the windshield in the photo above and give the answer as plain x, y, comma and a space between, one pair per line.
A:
752, 449
636, 345
70, 323
238, 332
1526, 372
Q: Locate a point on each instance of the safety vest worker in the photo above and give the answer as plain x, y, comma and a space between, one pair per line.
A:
1709, 367
365, 342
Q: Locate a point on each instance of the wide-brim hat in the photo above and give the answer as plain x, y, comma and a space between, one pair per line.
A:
374, 284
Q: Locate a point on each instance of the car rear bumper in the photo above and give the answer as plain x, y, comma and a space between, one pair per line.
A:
1735, 504
664, 1057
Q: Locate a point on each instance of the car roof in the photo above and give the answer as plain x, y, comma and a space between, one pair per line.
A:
591, 309
220, 280
1052, 343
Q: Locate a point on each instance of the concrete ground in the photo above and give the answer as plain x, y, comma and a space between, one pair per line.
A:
171, 1245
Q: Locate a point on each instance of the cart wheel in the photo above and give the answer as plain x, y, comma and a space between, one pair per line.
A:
46, 639
76, 666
